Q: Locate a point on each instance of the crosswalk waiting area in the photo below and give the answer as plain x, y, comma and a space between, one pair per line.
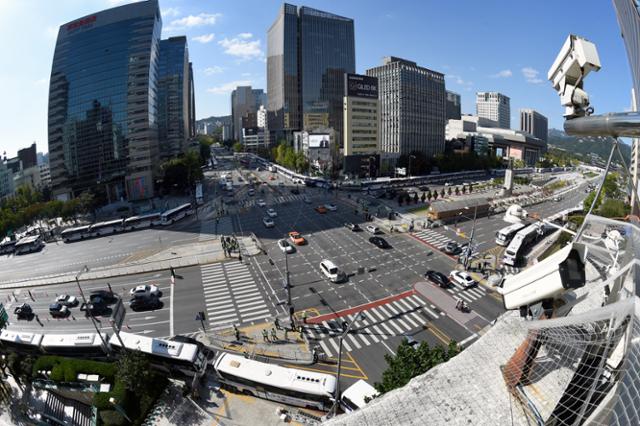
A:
380, 323
232, 296
469, 295
276, 200
432, 237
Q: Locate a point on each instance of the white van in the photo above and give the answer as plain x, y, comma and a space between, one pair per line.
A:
354, 397
331, 271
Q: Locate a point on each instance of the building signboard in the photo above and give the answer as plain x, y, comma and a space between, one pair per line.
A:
361, 86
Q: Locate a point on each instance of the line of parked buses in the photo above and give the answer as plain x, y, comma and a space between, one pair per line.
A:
184, 356
32, 243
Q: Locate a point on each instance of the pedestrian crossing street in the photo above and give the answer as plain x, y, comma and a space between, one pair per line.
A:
469, 295
432, 237
382, 322
208, 228
276, 200
231, 295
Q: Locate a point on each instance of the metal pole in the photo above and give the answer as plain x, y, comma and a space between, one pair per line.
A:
288, 286
117, 333
473, 231
93, 320
334, 409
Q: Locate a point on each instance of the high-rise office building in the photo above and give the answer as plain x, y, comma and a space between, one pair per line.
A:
453, 107
308, 53
629, 20
244, 101
412, 107
174, 97
361, 122
103, 130
494, 106
28, 156
534, 123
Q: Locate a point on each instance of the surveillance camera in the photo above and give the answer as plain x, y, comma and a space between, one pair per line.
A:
576, 59
562, 271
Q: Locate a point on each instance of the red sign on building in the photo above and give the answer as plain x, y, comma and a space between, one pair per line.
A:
81, 22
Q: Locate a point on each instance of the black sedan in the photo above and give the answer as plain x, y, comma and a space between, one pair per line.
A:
143, 303
379, 242
23, 311
438, 278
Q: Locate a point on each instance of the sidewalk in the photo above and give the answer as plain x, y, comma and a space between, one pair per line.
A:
291, 347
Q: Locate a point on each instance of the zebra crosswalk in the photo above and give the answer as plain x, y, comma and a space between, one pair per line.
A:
231, 295
380, 323
432, 237
467, 294
276, 200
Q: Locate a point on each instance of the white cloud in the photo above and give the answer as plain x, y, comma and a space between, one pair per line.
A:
226, 88
204, 38
245, 35
170, 12
51, 31
502, 74
531, 75
242, 47
42, 81
246, 74
213, 70
192, 21
459, 80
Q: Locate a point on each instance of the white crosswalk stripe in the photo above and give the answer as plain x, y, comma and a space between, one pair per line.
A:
432, 237
467, 294
231, 295
379, 323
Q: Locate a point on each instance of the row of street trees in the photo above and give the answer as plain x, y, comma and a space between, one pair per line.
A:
286, 156
610, 202
404, 197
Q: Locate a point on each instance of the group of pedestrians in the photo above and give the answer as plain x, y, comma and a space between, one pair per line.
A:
229, 245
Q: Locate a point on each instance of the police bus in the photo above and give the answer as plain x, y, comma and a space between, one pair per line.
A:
505, 235
522, 239
301, 388
176, 214
141, 222
29, 244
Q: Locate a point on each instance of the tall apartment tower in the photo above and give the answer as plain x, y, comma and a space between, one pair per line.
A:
308, 53
629, 21
494, 106
453, 107
412, 107
534, 123
103, 131
174, 97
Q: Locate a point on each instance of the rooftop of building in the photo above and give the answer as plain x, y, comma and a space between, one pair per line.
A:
580, 367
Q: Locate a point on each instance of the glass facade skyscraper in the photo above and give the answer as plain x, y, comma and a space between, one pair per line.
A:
308, 53
103, 102
174, 97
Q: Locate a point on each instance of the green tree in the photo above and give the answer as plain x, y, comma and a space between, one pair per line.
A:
135, 371
470, 187
435, 195
589, 200
464, 189
423, 198
457, 191
442, 193
449, 191
415, 198
238, 147
613, 208
408, 363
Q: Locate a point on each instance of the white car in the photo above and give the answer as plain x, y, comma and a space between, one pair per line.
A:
285, 246
66, 300
463, 278
261, 203
373, 229
146, 290
272, 213
268, 222
331, 207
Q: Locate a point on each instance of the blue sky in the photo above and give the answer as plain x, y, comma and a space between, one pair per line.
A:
506, 46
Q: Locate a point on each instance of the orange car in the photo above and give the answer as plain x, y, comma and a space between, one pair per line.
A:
321, 209
297, 238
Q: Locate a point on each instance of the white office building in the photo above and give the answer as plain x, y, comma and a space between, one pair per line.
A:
494, 106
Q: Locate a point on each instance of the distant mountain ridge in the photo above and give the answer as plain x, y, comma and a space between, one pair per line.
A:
213, 120
587, 145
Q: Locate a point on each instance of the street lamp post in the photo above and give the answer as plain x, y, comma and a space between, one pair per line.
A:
119, 409
287, 285
473, 231
88, 309
346, 331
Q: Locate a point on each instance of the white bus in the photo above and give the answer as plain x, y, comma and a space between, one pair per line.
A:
166, 355
269, 381
176, 214
29, 244
505, 235
21, 341
357, 396
106, 228
83, 345
199, 195
75, 234
141, 222
522, 239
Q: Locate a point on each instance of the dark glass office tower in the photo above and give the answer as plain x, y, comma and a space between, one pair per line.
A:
192, 104
308, 53
174, 97
103, 131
